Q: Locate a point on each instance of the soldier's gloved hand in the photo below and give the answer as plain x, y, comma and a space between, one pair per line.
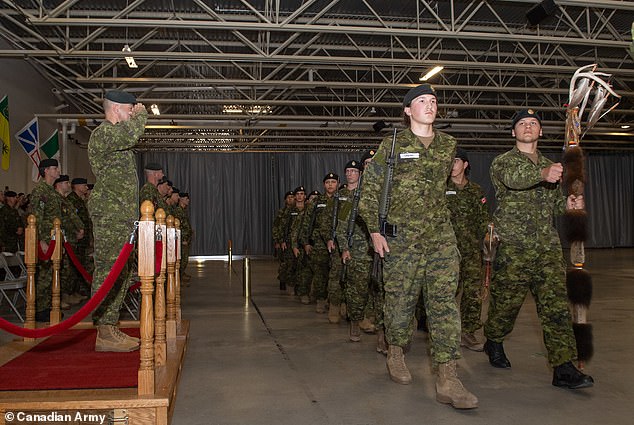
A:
553, 173
380, 244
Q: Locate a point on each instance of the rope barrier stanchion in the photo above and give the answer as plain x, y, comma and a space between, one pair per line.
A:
246, 280
160, 344
56, 234
146, 322
30, 261
177, 274
230, 255
170, 321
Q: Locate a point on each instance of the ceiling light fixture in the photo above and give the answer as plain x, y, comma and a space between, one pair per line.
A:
232, 109
625, 126
129, 59
155, 109
435, 70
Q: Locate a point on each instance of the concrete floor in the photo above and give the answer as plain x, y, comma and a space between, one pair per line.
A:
275, 361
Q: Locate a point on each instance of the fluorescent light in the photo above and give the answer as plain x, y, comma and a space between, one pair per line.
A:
129, 59
625, 126
257, 109
431, 73
155, 109
231, 109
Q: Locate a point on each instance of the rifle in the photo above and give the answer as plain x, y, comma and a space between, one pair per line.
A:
352, 218
489, 248
335, 213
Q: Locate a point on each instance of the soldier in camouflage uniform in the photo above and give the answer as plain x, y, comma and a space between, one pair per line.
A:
77, 197
149, 192
186, 234
423, 256
73, 231
529, 257
45, 205
303, 274
316, 232
282, 237
11, 225
469, 217
113, 207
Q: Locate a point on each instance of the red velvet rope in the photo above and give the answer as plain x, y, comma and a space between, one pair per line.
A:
158, 257
73, 258
83, 312
45, 256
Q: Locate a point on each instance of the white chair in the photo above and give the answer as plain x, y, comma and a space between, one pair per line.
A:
11, 283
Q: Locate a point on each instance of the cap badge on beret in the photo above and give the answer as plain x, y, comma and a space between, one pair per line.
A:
331, 176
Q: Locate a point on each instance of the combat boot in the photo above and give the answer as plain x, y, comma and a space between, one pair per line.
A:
333, 313
497, 357
381, 343
469, 341
304, 299
355, 332
321, 306
109, 339
567, 375
449, 389
367, 326
396, 365
123, 335
290, 290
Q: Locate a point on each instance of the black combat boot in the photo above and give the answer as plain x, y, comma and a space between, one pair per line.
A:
567, 375
495, 351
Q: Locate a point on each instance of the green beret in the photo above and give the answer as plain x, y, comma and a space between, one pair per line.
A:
418, 91
48, 162
331, 176
174, 190
314, 192
354, 164
79, 180
184, 195
525, 113
289, 193
118, 96
153, 166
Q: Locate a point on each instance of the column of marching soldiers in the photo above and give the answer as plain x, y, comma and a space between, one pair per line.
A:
58, 196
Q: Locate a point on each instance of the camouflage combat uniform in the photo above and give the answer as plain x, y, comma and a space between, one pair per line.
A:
10, 221
282, 234
529, 257
113, 204
303, 273
46, 205
335, 288
469, 216
316, 232
424, 255
71, 224
84, 245
186, 236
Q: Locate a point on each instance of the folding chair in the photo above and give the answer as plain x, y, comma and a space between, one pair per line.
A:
131, 301
12, 283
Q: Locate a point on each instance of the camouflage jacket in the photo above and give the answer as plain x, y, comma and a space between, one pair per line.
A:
526, 205
45, 205
283, 230
71, 223
469, 214
275, 231
116, 191
417, 199
360, 235
10, 221
82, 212
296, 226
185, 226
149, 192
317, 227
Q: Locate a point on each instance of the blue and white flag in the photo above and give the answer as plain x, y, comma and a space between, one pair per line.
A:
30, 141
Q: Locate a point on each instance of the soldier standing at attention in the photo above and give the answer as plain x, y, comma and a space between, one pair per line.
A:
11, 225
303, 274
113, 207
149, 191
281, 239
469, 216
186, 235
423, 254
46, 205
529, 257
77, 197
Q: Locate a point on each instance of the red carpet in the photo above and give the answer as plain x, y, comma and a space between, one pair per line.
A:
68, 361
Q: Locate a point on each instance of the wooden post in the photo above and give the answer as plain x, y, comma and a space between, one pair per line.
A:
170, 323
30, 260
160, 351
146, 275
177, 274
56, 233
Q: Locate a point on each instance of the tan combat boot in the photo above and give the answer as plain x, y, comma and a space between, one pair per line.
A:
321, 306
304, 299
333, 313
111, 339
367, 326
355, 332
449, 389
396, 365
381, 343
469, 341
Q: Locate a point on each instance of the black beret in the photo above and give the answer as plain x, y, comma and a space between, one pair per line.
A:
314, 192
10, 194
299, 189
413, 93
289, 193
62, 178
174, 190
90, 186
525, 113
354, 164
170, 184
118, 96
162, 180
153, 166
331, 176
49, 162
79, 180
368, 155
184, 195
462, 154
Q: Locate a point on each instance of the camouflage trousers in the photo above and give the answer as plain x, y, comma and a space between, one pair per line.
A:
68, 276
288, 264
319, 261
540, 270
43, 284
432, 267
303, 274
184, 257
377, 295
357, 285
469, 288
110, 237
335, 289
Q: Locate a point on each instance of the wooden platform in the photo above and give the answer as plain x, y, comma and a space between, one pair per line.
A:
121, 406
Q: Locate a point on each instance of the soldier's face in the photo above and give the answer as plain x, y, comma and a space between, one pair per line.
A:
290, 200
352, 175
11, 201
458, 168
123, 111
163, 189
330, 186
300, 196
527, 130
53, 171
423, 109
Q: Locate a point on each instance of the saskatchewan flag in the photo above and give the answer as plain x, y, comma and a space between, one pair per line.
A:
4, 132
50, 148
